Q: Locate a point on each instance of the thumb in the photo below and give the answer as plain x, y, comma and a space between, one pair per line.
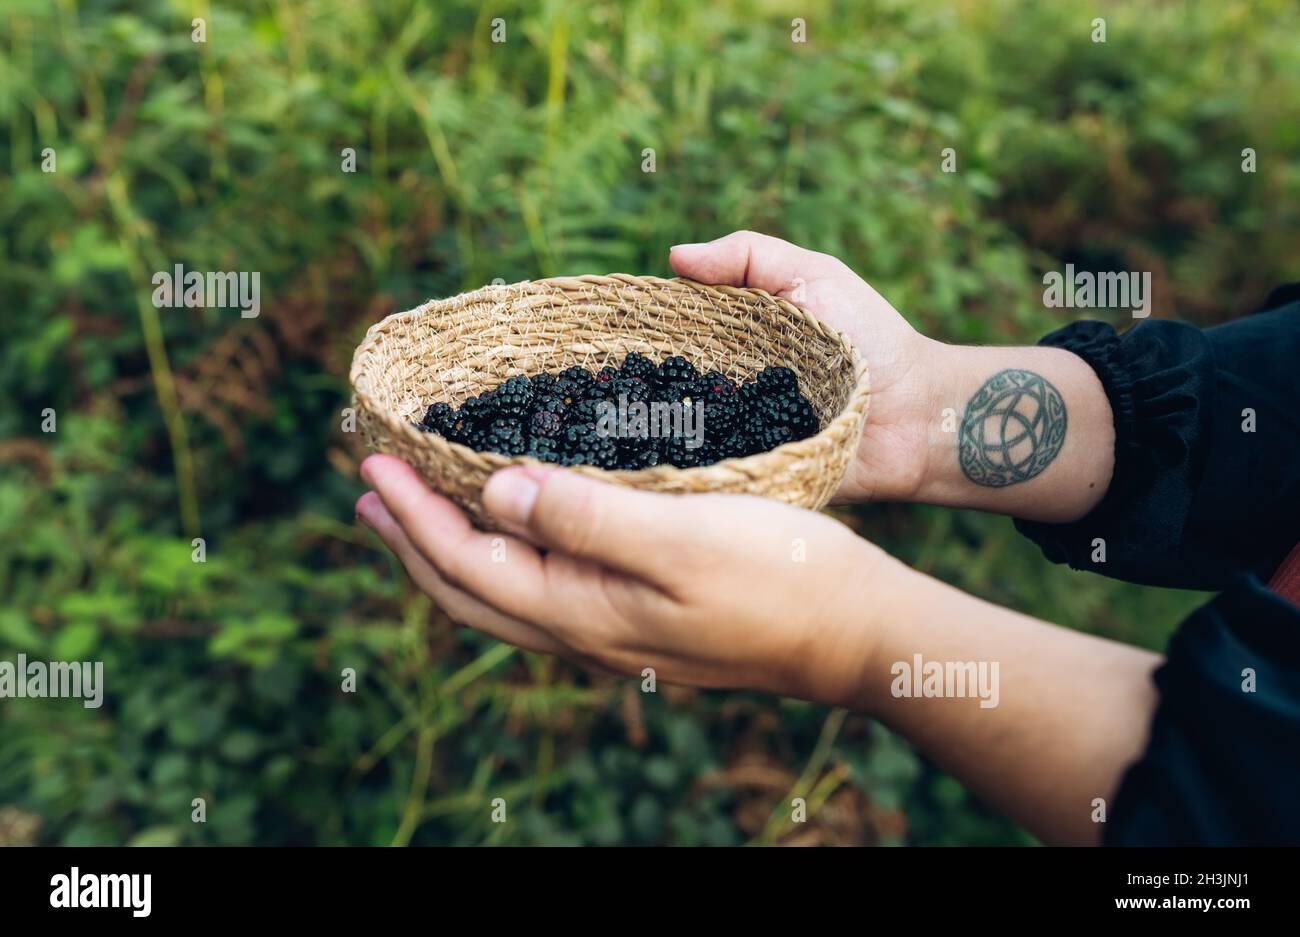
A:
608, 524
746, 258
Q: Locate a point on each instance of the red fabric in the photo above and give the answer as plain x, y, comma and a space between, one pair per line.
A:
1286, 581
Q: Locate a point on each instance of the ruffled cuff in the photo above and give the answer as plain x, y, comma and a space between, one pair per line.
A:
1159, 380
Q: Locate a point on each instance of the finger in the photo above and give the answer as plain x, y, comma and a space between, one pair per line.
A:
500, 570
459, 605
746, 258
635, 531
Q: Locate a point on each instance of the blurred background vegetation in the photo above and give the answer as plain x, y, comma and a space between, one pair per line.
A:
519, 160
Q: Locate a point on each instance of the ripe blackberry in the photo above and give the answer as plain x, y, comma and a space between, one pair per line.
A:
546, 423
582, 445
478, 409
544, 383
721, 419
476, 437
769, 437
688, 392
646, 457
546, 448
506, 436
674, 370
605, 377
584, 412
548, 402
633, 390
514, 397
789, 410
440, 418
576, 373
639, 366
574, 384
777, 380
737, 445
718, 385
675, 451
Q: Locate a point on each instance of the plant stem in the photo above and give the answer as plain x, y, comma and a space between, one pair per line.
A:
159, 367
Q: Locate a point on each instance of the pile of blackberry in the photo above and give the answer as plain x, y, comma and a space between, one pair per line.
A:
554, 417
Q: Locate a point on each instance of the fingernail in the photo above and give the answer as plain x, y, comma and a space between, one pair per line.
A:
683, 247
511, 494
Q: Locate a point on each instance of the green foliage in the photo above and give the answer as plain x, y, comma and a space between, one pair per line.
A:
518, 160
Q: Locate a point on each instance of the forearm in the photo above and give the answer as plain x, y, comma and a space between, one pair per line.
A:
1049, 720
1025, 431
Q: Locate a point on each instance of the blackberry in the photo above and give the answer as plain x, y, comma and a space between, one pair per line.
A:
647, 457
546, 448
514, 397
737, 445
576, 373
606, 376
544, 383
688, 392
476, 437
721, 419
634, 390
789, 410
582, 445
769, 437
548, 401
506, 436
574, 384
439, 418
477, 409
675, 451
585, 412
674, 370
637, 365
722, 406
718, 385
546, 423
777, 380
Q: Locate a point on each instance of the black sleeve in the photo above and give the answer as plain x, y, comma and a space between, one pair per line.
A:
1223, 760
1207, 450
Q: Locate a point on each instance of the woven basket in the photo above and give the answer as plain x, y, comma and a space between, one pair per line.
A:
455, 348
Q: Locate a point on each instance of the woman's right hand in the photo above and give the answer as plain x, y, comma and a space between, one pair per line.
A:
891, 461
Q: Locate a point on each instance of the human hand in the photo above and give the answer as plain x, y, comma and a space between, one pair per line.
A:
926, 396
708, 590
891, 461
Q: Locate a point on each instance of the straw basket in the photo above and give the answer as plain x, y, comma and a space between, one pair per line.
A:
451, 349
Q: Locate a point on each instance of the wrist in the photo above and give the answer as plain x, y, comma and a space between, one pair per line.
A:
837, 653
1059, 470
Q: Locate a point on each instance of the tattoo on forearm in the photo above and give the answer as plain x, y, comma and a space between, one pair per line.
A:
1013, 428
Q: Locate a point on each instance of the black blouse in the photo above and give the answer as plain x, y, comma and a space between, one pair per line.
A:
1205, 495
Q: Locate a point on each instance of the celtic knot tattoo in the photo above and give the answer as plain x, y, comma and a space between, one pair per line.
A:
1013, 428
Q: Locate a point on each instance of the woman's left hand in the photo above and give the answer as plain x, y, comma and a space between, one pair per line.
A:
708, 590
